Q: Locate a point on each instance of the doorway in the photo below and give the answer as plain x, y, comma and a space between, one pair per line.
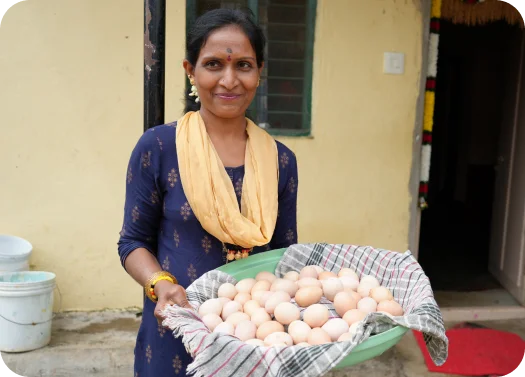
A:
476, 96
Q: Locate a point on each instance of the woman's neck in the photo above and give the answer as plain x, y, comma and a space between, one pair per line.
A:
225, 129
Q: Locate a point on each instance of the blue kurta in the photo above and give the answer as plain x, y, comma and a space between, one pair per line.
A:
157, 217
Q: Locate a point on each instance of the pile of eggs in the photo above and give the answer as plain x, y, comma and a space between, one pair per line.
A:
271, 311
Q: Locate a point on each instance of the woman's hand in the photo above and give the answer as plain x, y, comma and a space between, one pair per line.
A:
169, 294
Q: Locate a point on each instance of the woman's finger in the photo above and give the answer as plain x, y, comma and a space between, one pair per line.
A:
182, 299
158, 311
184, 303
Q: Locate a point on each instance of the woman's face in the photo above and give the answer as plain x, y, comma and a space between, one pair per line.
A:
226, 73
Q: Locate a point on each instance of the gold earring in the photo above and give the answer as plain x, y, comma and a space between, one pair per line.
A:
258, 82
193, 92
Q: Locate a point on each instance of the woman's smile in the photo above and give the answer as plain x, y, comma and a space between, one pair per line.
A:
228, 96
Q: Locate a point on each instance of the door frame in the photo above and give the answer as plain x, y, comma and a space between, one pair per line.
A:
417, 139
414, 229
517, 131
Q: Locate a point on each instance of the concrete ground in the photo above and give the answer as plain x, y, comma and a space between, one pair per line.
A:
88, 344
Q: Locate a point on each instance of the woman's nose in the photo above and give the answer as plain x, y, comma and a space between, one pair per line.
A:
229, 79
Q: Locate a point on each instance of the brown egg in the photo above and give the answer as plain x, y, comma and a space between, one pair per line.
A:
237, 318
349, 283
308, 272
343, 302
354, 315
309, 282
230, 308
291, 275
318, 336
353, 328
370, 279
212, 306
277, 338
331, 287
211, 321
242, 298
257, 296
367, 305
303, 344
299, 331
250, 306
261, 285
225, 328
255, 342
308, 296
381, 294
356, 296
365, 287
326, 275
227, 290
391, 307
286, 312
275, 299
345, 337
278, 345
224, 300
335, 328
245, 330
316, 315
265, 275
348, 272
264, 297
245, 285
259, 316
268, 328
319, 269
284, 285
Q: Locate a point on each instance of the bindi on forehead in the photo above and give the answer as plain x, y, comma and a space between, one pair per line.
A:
229, 51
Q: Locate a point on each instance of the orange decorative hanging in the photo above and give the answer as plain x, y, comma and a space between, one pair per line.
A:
430, 93
480, 12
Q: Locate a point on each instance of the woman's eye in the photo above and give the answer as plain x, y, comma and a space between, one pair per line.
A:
245, 65
212, 64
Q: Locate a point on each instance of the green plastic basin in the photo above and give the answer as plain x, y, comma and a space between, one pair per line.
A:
370, 348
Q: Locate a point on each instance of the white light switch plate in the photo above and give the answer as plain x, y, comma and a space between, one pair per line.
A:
394, 63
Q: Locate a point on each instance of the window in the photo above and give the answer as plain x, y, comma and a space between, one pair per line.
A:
283, 102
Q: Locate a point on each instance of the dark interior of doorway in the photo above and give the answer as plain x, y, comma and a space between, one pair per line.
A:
456, 228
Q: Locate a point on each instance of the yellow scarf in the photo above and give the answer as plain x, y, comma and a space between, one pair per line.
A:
210, 191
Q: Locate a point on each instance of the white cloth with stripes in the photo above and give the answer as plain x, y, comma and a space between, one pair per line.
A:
223, 355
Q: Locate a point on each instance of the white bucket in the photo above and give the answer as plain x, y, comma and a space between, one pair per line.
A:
26, 310
14, 253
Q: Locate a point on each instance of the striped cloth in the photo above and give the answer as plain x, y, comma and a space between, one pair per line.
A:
223, 355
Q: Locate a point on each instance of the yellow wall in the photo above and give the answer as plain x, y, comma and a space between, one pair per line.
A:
71, 94
354, 173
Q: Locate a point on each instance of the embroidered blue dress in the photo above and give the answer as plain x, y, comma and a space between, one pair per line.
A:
157, 217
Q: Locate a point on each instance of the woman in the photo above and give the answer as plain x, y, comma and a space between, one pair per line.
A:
210, 188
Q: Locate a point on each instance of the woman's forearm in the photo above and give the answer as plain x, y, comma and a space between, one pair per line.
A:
141, 264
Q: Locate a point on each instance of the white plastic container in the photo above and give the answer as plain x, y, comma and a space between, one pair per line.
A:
26, 310
14, 253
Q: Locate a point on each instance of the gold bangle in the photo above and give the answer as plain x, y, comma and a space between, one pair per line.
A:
149, 287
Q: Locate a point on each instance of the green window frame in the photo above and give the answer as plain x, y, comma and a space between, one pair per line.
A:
299, 97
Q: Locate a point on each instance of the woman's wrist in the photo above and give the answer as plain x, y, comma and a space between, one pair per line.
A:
162, 286
154, 279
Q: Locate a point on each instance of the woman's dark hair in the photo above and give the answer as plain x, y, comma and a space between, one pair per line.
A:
216, 19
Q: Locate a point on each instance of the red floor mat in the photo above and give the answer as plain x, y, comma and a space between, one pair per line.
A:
477, 352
